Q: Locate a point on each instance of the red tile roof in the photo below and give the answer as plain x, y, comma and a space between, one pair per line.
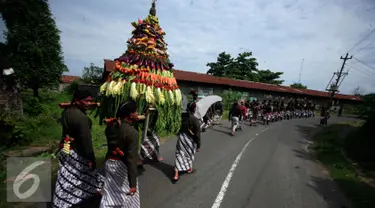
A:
181, 75
69, 79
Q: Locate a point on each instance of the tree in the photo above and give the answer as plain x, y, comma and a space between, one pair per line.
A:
4, 57
269, 77
222, 67
358, 91
243, 67
92, 74
298, 86
33, 42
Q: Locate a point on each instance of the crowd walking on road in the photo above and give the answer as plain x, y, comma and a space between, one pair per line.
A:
272, 110
79, 179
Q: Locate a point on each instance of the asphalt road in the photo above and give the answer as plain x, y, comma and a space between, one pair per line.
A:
275, 171
259, 167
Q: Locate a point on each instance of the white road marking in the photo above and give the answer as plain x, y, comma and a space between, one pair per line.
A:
264, 130
224, 187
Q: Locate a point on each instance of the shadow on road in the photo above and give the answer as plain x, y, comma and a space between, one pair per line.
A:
221, 131
303, 154
165, 168
322, 185
307, 131
332, 196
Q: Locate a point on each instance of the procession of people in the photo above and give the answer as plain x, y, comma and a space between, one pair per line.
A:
78, 178
272, 110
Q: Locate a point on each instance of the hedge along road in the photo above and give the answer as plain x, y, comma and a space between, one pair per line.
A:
262, 166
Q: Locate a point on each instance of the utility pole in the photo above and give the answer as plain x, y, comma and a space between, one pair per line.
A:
333, 88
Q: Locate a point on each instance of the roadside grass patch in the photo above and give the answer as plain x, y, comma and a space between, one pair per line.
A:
40, 126
225, 115
333, 145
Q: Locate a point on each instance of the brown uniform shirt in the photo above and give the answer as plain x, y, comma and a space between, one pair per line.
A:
125, 137
190, 122
77, 125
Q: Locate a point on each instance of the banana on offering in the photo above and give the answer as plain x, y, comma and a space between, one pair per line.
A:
144, 73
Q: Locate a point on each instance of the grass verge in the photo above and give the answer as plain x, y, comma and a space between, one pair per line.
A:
40, 127
330, 147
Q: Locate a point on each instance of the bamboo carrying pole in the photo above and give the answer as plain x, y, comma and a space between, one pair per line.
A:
95, 105
147, 120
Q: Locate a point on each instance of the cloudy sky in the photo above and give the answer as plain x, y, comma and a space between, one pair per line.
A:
279, 33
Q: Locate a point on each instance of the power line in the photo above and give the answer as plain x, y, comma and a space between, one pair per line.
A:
363, 73
360, 41
366, 46
364, 63
364, 69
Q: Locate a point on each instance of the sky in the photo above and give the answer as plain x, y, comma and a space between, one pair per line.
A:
278, 33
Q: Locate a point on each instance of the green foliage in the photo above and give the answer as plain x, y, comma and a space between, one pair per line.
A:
4, 56
269, 77
367, 110
222, 67
333, 145
33, 43
92, 74
32, 106
12, 130
229, 97
39, 123
72, 87
298, 86
243, 67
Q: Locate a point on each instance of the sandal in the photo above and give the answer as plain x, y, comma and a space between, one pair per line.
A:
191, 172
174, 180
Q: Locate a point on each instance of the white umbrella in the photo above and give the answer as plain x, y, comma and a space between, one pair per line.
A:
185, 102
204, 104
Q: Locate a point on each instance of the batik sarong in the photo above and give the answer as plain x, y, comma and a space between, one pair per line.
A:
76, 181
116, 187
185, 152
150, 148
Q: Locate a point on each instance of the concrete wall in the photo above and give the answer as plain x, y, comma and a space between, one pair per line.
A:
259, 94
186, 86
62, 86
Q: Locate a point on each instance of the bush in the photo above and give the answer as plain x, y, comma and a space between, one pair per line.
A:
39, 124
32, 106
72, 87
13, 130
229, 97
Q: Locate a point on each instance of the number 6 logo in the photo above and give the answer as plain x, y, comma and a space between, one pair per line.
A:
24, 176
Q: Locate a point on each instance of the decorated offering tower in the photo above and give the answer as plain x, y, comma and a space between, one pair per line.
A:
144, 73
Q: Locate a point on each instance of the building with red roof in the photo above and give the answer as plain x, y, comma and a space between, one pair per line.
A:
209, 84
66, 80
